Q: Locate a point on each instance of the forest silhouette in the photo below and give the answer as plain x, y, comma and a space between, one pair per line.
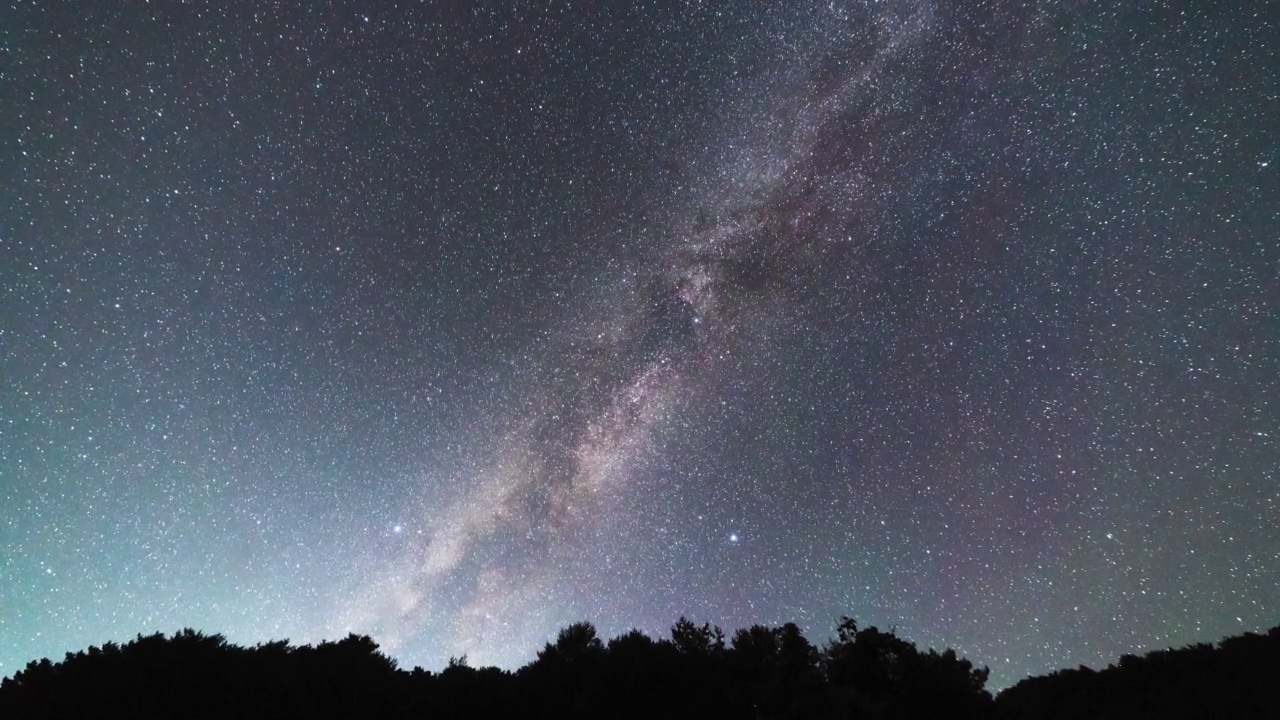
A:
759, 672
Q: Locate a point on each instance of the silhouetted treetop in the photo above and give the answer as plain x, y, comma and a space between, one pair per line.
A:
1237, 678
764, 672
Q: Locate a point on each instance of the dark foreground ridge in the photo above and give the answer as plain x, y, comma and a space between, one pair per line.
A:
763, 672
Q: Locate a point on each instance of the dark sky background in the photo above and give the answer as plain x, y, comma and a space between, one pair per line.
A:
453, 324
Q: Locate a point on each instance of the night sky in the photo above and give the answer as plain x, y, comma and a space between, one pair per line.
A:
452, 325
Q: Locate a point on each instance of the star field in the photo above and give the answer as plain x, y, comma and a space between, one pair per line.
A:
452, 325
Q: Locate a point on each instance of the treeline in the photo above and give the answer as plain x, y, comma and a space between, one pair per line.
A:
1237, 678
759, 672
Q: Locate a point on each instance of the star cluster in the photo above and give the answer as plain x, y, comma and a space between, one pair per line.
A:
452, 324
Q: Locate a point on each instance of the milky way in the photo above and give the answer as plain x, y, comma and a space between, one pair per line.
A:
455, 326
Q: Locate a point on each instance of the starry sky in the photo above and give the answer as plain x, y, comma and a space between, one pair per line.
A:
454, 323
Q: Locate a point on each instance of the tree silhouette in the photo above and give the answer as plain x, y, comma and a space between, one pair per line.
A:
565, 678
1235, 679
766, 672
877, 674
694, 640
575, 645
